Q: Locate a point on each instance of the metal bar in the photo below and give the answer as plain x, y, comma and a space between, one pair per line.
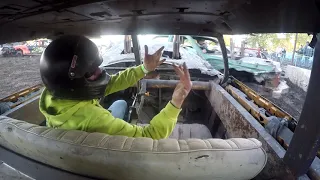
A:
284, 135
127, 44
242, 49
124, 68
240, 123
136, 49
225, 59
196, 85
26, 99
143, 90
306, 139
176, 47
232, 48
294, 48
24, 92
265, 103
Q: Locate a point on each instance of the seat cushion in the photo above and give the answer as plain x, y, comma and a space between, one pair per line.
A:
187, 131
118, 157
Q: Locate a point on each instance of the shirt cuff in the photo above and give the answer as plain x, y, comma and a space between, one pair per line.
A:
171, 110
139, 71
144, 69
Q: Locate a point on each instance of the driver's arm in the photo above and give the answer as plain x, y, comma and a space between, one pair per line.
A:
131, 76
161, 126
124, 79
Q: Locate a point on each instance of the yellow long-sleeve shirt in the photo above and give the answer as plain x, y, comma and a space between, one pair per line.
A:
89, 116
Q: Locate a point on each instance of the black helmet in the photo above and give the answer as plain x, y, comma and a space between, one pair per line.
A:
67, 63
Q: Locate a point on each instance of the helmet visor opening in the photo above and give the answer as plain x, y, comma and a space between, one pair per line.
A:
92, 76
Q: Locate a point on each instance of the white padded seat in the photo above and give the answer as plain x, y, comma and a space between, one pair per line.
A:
187, 131
119, 157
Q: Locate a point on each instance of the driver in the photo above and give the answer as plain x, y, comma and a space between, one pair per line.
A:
69, 69
204, 46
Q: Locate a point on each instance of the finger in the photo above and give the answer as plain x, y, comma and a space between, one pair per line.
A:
145, 49
178, 71
186, 71
159, 50
160, 62
181, 67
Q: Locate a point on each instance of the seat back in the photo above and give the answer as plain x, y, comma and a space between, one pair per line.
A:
119, 157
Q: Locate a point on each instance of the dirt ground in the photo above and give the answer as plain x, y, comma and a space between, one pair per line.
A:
18, 73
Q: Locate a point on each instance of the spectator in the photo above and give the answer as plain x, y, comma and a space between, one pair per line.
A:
283, 52
307, 51
300, 51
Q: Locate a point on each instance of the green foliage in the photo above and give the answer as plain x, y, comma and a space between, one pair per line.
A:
272, 41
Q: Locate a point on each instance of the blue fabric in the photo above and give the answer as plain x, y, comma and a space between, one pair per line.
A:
118, 109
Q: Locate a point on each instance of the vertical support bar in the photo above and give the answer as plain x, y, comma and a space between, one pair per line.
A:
136, 49
232, 48
294, 48
225, 59
306, 139
176, 46
242, 49
127, 44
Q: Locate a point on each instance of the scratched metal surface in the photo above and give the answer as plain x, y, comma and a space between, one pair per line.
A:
9, 173
240, 123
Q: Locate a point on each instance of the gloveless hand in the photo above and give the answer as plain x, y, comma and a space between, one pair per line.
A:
183, 87
151, 62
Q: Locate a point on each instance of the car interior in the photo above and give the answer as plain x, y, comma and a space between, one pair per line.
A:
215, 137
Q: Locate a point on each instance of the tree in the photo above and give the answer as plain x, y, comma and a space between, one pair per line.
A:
302, 39
261, 40
272, 41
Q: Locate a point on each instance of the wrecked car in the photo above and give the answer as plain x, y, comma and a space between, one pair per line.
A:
116, 56
249, 69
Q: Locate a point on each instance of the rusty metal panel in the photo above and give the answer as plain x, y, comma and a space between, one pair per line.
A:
240, 123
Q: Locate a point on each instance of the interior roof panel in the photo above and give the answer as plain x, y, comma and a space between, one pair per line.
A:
29, 19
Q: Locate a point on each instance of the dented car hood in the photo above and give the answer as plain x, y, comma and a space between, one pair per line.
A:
113, 55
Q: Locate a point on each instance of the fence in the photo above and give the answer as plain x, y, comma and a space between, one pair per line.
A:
299, 60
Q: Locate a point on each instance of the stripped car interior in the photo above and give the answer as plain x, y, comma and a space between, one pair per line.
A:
225, 135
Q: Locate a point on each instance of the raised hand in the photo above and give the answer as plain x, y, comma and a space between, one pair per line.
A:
151, 62
183, 87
